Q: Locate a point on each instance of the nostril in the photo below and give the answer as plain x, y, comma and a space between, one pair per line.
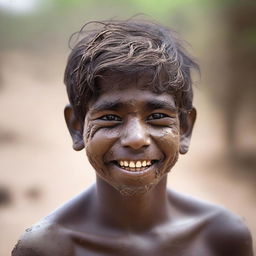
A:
135, 141
135, 134
135, 145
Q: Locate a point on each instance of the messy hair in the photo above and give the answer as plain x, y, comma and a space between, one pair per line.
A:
128, 47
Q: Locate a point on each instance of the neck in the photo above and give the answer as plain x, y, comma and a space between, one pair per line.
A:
134, 213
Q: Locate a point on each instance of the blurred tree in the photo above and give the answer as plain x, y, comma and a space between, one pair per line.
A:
241, 87
237, 95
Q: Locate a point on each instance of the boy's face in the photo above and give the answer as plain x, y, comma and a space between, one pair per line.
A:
131, 135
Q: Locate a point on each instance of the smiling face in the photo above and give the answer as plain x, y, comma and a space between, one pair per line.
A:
131, 135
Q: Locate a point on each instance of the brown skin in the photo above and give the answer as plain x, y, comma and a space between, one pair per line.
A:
133, 213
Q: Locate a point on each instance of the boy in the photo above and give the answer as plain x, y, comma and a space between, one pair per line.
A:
130, 94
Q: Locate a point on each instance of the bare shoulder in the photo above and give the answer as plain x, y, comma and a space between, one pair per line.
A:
227, 234
43, 239
224, 232
52, 235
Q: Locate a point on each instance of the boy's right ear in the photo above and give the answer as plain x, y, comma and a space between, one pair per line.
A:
74, 127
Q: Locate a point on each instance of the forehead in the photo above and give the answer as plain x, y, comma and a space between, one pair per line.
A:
129, 90
120, 81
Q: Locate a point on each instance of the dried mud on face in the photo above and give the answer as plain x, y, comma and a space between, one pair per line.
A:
40, 171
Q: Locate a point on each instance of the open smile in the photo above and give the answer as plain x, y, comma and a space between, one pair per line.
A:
134, 165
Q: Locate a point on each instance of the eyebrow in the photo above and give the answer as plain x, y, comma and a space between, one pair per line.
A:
160, 104
108, 105
149, 105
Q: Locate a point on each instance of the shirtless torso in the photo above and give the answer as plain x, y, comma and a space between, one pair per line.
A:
195, 228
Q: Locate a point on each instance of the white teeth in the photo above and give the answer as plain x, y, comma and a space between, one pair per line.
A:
134, 165
131, 164
138, 164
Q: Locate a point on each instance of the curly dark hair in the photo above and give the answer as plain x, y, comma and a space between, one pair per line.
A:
129, 47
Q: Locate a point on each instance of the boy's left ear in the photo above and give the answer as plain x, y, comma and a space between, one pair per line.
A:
187, 121
74, 127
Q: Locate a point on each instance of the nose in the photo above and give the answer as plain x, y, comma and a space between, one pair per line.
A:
135, 134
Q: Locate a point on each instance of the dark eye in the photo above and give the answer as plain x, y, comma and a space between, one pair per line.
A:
111, 118
157, 116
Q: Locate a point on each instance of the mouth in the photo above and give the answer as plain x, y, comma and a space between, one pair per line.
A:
134, 165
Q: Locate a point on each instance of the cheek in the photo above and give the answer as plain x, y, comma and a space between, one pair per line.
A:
173, 150
90, 129
98, 142
167, 139
169, 142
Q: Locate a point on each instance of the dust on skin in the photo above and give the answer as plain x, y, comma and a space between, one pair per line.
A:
90, 128
168, 137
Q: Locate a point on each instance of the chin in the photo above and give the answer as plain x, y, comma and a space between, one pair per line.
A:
134, 191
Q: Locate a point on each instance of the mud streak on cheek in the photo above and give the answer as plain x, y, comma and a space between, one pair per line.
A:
170, 139
175, 131
95, 165
174, 128
89, 132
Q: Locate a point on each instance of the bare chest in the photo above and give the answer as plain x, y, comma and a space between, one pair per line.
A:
185, 244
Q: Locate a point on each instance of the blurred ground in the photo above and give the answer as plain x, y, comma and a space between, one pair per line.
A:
39, 170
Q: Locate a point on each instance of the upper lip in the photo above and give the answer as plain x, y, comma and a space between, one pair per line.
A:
134, 159
153, 156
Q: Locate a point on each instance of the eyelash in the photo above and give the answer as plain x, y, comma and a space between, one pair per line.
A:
110, 118
157, 116
153, 116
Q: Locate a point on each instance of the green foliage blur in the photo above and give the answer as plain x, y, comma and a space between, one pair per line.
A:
55, 19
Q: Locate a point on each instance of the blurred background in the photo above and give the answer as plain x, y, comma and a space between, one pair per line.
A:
38, 168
